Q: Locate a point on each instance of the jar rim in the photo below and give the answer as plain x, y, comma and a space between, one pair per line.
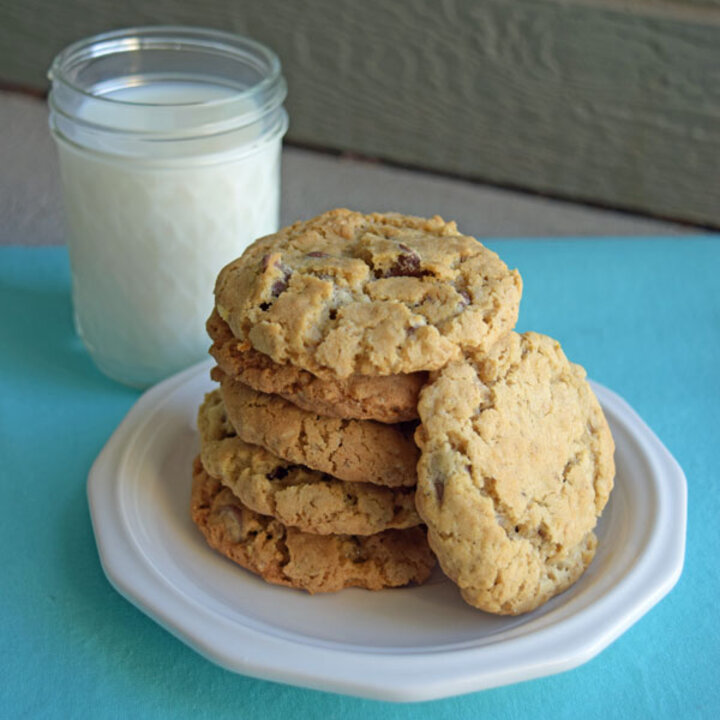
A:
89, 71
163, 37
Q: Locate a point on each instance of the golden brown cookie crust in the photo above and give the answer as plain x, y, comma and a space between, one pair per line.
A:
351, 294
385, 398
352, 450
316, 563
293, 494
516, 466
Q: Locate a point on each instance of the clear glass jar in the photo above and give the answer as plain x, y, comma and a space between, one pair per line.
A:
169, 145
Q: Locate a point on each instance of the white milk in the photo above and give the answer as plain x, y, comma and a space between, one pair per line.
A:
147, 237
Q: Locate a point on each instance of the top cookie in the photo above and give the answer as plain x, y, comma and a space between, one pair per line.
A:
516, 466
347, 293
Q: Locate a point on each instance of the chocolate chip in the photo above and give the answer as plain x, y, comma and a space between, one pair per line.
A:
406, 265
264, 306
279, 286
333, 313
439, 489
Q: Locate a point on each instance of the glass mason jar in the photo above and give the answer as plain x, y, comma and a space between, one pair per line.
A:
169, 145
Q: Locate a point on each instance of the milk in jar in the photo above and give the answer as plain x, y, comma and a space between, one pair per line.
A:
170, 168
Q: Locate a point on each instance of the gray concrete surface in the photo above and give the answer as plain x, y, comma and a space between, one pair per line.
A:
31, 210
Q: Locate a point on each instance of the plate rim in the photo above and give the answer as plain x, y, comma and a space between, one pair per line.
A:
388, 675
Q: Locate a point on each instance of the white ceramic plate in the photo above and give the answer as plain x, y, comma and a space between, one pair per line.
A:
407, 644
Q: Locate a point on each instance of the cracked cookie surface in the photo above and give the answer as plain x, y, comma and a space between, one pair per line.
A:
385, 398
316, 563
351, 294
353, 450
516, 466
293, 494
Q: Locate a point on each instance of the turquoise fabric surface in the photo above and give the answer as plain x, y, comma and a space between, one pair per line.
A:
642, 315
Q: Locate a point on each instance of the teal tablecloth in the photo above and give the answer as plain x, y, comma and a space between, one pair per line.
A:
642, 315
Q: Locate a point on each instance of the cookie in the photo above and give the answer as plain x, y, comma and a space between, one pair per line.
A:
316, 563
385, 398
383, 294
516, 467
353, 450
293, 494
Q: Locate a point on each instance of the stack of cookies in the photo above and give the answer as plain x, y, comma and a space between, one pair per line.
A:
373, 397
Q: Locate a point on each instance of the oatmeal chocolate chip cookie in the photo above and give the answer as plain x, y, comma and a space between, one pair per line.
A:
351, 294
516, 467
385, 398
295, 495
316, 563
353, 450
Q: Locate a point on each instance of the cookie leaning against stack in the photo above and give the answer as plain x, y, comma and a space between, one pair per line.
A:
324, 334
332, 337
516, 467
